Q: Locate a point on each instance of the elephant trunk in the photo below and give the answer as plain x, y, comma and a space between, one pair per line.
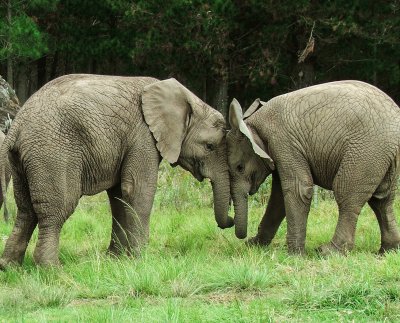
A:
241, 210
221, 192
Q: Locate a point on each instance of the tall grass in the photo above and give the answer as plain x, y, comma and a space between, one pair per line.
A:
191, 271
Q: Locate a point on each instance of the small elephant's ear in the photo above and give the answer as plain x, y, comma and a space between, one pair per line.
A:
236, 122
235, 114
166, 109
253, 108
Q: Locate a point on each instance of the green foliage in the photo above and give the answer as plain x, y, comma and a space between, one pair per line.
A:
253, 45
21, 38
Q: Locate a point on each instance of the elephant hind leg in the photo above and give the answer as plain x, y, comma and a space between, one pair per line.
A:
52, 214
24, 226
352, 190
17, 242
54, 201
382, 205
383, 209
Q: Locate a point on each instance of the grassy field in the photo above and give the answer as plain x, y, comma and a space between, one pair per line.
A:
194, 272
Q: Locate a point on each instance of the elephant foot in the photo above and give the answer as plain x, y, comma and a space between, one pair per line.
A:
6, 263
45, 260
3, 264
48, 263
229, 223
115, 250
389, 246
297, 251
330, 249
257, 241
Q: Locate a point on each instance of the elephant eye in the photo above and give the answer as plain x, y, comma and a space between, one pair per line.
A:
240, 168
210, 147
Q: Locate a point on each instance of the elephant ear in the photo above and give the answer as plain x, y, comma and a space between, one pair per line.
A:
167, 106
236, 122
253, 108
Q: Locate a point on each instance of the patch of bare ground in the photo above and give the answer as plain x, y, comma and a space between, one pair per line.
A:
230, 296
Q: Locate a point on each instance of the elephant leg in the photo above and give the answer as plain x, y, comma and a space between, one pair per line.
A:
51, 218
138, 187
390, 236
136, 222
52, 212
17, 243
119, 239
297, 193
343, 238
47, 246
24, 226
274, 215
7, 175
382, 205
352, 191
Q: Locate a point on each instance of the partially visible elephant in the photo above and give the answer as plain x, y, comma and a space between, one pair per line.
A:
4, 168
343, 136
82, 134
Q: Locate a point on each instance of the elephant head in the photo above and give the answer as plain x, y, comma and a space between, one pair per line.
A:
191, 134
249, 164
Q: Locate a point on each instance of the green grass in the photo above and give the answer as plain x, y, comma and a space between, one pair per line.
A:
192, 271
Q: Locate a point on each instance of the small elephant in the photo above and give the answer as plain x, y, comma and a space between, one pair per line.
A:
82, 134
343, 136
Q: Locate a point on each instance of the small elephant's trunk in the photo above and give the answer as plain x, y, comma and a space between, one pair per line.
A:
221, 191
241, 211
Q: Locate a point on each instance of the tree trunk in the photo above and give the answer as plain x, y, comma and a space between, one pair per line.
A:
220, 101
54, 65
41, 71
10, 72
306, 75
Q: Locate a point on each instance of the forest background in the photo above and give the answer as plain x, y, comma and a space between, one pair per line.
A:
219, 49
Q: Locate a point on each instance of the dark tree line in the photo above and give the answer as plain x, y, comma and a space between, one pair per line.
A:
220, 49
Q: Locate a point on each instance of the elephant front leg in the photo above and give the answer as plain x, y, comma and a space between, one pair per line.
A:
138, 187
297, 194
119, 240
134, 230
273, 217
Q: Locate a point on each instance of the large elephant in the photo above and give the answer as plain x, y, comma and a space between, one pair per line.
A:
82, 134
343, 136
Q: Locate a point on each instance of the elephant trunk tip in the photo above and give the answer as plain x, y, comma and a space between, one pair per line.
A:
240, 233
226, 224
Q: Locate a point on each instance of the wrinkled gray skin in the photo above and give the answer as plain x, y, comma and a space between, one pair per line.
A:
6, 171
343, 136
82, 134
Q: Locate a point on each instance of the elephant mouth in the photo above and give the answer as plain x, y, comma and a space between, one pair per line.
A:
196, 171
192, 166
254, 185
253, 191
